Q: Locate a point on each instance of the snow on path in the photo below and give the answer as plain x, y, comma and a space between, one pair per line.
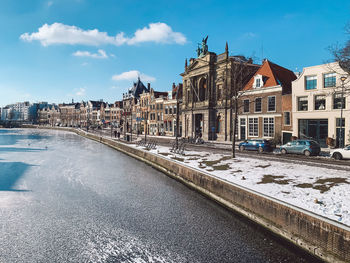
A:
323, 191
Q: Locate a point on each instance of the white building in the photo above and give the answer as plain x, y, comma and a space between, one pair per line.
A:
317, 101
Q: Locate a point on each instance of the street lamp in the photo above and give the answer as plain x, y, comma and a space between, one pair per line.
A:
177, 117
341, 144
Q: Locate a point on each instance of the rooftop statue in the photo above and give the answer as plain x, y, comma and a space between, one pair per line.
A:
203, 50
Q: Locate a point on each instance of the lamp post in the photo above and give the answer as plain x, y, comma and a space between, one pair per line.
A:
177, 117
341, 144
131, 103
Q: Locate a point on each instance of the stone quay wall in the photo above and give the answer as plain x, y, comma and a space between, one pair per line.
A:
321, 237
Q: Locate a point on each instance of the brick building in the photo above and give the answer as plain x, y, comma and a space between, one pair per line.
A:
266, 104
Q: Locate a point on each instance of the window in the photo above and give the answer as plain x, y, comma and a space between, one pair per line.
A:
246, 106
161, 106
258, 105
310, 82
170, 110
157, 106
269, 127
329, 80
286, 118
175, 109
257, 83
166, 109
338, 101
253, 127
302, 104
340, 123
271, 100
320, 102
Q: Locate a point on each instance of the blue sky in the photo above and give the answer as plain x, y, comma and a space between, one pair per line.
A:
56, 50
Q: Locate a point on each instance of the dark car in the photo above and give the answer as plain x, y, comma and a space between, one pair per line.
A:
306, 147
260, 145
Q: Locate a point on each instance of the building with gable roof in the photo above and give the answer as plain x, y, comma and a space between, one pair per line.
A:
266, 104
130, 99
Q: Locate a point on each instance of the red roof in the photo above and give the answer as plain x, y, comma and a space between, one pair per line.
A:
273, 75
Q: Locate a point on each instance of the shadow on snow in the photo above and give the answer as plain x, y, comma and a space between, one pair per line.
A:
10, 173
11, 139
15, 149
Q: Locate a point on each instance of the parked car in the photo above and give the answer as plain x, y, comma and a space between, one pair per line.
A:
306, 147
260, 145
341, 153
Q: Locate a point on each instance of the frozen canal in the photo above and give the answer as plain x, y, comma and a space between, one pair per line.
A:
64, 198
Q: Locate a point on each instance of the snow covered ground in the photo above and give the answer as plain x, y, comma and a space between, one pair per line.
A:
323, 191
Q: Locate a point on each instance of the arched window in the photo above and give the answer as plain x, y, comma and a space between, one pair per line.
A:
202, 89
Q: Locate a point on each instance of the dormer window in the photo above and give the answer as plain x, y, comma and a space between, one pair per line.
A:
258, 81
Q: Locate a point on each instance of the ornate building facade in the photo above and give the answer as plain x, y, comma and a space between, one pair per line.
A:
209, 84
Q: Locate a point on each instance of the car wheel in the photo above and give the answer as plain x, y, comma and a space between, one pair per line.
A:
337, 156
307, 153
283, 151
241, 148
260, 149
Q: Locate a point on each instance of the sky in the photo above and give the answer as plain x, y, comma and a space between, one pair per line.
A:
59, 50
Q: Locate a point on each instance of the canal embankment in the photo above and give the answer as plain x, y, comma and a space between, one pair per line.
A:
323, 238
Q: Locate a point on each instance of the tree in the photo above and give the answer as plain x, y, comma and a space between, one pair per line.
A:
342, 53
241, 70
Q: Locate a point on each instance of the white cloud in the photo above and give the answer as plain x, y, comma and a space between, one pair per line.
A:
133, 75
81, 92
155, 32
100, 54
84, 64
58, 33
49, 3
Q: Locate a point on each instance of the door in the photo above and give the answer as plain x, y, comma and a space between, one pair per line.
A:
199, 124
286, 137
242, 129
292, 148
299, 147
